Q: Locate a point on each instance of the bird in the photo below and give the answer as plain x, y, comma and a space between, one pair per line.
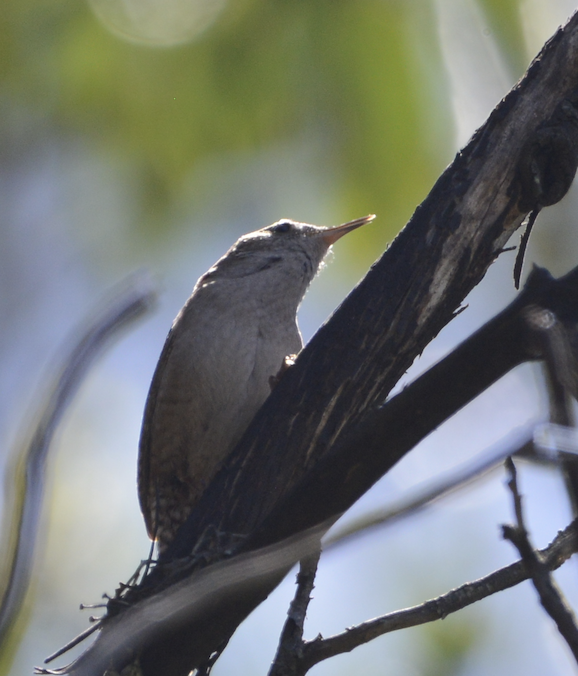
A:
222, 355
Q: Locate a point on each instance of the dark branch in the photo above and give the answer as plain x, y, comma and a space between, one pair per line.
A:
408, 296
551, 597
559, 551
291, 643
386, 434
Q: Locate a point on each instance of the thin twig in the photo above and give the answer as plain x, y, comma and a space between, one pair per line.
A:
291, 642
551, 597
560, 550
74, 642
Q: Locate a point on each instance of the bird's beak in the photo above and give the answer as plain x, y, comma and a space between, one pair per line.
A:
331, 235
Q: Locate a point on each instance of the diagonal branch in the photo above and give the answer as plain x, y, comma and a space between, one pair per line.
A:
390, 431
551, 597
560, 550
408, 296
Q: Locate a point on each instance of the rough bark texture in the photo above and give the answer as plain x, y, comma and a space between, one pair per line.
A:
509, 168
547, 307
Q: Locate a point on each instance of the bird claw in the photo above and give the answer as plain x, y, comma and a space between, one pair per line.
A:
286, 364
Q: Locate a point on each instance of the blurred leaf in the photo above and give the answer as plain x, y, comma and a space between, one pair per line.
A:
265, 72
447, 645
504, 19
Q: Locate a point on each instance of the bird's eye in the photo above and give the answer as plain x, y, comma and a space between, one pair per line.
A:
282, 226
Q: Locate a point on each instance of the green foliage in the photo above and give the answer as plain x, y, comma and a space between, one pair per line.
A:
445, 646
264, 72
365, 77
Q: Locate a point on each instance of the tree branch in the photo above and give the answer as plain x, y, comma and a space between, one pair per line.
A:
128, 302
551, 597
387, 433
408, 296
560, 550
291, 643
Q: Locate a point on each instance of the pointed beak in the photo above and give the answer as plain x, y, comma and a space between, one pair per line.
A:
331, 235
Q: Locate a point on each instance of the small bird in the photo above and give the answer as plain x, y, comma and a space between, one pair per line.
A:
225, 348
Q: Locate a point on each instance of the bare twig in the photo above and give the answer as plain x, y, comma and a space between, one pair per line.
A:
127, 303
560, 550
551, 597
74, 642
291, 643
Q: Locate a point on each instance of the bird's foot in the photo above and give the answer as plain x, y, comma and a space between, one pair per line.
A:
286, 364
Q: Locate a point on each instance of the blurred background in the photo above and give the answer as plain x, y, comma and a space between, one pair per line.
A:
146, 134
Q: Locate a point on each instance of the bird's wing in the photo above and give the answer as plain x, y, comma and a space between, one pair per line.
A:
144, 456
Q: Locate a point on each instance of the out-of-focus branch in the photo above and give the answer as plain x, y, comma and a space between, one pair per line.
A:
245, 576
561, 374
25, 481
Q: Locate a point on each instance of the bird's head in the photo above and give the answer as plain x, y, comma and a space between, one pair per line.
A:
286, 245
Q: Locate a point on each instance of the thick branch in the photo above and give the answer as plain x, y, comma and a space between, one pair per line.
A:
389, 432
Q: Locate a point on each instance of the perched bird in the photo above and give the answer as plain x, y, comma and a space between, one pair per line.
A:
214, 373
